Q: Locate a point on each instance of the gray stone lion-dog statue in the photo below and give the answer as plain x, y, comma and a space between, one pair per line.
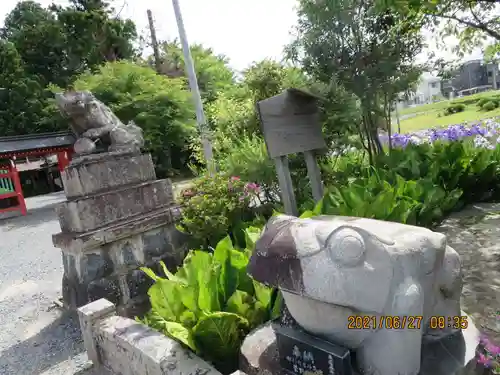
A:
375, 287
97, 128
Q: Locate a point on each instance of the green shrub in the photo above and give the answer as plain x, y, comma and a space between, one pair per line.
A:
450, 165
489, 106
248, 159
216, 206
385, 195
211, 303
454, 108
482, 102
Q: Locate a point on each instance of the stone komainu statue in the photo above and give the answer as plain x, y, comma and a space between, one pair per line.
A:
97, 128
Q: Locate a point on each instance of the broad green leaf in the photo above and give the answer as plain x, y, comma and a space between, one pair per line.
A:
188, 319
150, 273
383, 204
263, 294
252, 234
318, 209
180, 333
220, 334
307, 215
208, 298
240, 303
166, 300
228, 279
276, 309
239, 260
169, 274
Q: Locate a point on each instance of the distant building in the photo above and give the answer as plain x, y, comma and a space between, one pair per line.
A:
428, 90
473, 76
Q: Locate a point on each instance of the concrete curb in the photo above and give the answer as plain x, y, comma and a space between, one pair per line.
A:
126, 347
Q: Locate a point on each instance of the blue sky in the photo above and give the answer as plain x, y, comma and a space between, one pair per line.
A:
243, 30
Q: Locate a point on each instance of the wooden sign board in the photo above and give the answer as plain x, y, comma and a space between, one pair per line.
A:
290, 123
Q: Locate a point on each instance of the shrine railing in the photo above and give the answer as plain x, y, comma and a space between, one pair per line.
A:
10, 187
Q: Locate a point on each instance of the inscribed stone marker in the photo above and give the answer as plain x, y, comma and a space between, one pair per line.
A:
303, 354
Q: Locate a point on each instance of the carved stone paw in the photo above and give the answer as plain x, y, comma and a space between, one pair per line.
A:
93, 133
84, 146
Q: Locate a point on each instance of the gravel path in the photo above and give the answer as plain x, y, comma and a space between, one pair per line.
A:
474, 233
36, 337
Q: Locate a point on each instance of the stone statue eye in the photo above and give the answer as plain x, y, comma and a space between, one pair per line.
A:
346, 246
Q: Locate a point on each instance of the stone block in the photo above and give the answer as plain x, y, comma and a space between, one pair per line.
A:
138, 283
108, 288
155, 243
92, 175
127, 347
96, 211
259, 353
89, 315
77, 243
94, 266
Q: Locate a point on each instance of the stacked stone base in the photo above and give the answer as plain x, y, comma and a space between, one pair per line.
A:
117, 218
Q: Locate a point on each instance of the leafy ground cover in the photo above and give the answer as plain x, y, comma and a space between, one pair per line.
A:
211, 303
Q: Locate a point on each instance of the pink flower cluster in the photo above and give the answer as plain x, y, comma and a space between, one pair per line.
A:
491, 356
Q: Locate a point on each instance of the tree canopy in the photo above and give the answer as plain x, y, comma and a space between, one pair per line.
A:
370, 53
475, 23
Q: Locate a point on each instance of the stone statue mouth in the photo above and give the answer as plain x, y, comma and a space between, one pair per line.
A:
355, 311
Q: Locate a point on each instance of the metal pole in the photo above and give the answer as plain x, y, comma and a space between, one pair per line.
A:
195, 90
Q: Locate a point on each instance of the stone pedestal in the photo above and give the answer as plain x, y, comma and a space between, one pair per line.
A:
117, 217
452, 355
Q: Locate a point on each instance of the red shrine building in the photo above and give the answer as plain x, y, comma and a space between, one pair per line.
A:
31, 165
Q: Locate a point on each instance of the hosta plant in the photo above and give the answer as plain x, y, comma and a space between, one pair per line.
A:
211, 303
387, 196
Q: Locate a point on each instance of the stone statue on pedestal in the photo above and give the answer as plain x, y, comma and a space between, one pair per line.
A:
97, 128
375, 287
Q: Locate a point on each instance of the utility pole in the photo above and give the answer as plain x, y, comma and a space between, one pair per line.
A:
397, 116
154, 42
195, 90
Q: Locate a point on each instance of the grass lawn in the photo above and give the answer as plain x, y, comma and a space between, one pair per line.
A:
431, 119
443, 104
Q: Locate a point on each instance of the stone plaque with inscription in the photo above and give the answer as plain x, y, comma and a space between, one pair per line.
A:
303, 354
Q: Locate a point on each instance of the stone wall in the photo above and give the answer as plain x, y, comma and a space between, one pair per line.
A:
117, 217
126, 347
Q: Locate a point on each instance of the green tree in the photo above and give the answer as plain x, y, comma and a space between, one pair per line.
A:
369, 53
233, 116
39, 40
44, 46
22, 98
212, 71
471, 21
94, 35
57, 43
161, 106
267, 78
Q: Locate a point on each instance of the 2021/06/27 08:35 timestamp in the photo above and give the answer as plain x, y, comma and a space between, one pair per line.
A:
405, 322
